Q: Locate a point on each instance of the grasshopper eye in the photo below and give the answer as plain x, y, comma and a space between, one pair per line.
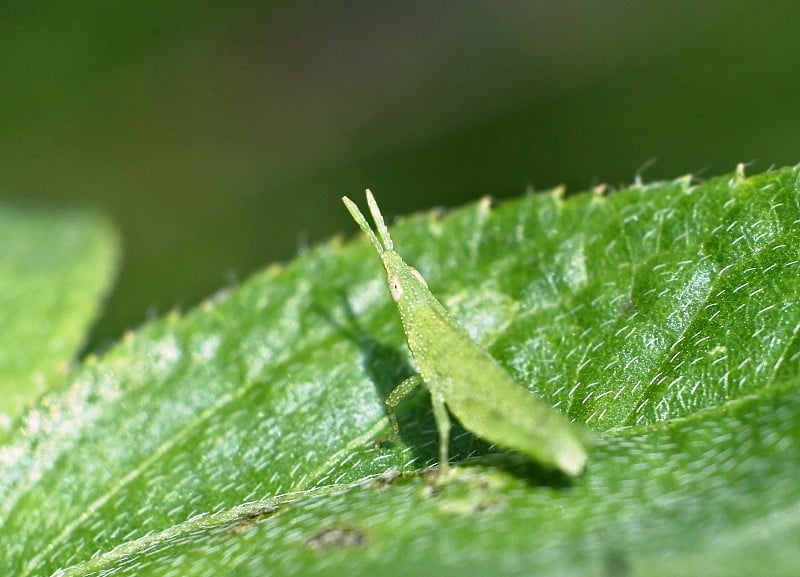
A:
395, 288
418, 276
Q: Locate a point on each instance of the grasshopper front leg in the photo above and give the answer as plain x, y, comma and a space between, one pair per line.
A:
400, 392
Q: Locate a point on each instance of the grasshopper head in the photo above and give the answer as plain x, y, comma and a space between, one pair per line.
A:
405, 282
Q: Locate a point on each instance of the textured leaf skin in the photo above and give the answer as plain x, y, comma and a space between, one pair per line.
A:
54, 268
238, 439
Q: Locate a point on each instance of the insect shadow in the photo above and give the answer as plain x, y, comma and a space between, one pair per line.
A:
520, 466
387, 366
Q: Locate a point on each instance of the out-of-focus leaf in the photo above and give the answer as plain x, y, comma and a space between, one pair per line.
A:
54, 268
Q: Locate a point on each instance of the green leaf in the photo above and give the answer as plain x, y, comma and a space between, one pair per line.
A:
239, 439
54, 267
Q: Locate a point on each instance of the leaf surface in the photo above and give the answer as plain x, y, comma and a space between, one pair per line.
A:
239, 439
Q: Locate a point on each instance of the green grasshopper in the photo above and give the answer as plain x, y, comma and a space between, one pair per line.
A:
463, 377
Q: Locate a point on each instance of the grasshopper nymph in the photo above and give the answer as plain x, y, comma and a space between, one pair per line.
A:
462, 376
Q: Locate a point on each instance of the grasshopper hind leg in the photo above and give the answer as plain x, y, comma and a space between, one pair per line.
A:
443, 424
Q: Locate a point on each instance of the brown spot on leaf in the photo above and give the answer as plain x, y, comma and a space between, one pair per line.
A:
338, 536
252, 518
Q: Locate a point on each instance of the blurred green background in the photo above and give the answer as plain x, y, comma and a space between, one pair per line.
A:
219, 135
